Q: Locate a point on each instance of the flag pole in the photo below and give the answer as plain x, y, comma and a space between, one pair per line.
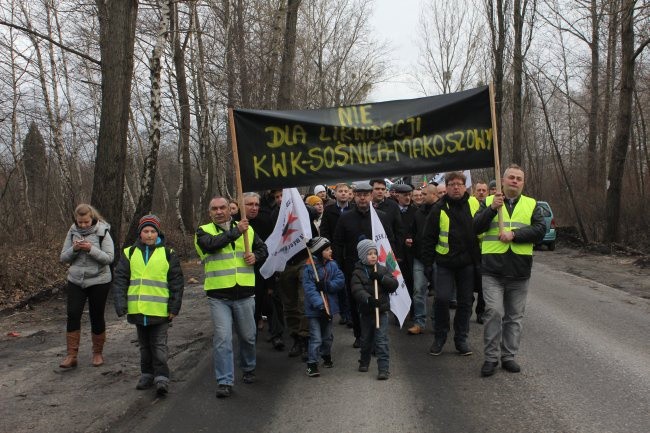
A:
240, 192
495, 147
376, 298
322, 295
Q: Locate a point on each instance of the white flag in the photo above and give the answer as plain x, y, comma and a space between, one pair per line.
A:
290, 235
400, 301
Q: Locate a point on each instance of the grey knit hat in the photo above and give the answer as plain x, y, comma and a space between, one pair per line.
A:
317, 245
363, 248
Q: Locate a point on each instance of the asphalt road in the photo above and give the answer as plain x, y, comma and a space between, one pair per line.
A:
585, 358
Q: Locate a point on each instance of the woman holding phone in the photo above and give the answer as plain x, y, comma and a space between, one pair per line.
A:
89, 250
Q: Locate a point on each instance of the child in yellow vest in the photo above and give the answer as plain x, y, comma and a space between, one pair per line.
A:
148, 287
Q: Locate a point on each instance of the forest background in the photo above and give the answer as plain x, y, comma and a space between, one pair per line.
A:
124, 104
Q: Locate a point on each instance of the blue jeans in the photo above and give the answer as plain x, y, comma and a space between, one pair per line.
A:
462, 280
420, 292
377, 338
505, 303
225, 313
152, 340
320, 338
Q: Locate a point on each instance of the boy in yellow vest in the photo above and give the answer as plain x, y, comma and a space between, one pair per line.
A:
148, 287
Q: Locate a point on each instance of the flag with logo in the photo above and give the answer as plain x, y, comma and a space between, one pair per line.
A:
400, 301
292, 231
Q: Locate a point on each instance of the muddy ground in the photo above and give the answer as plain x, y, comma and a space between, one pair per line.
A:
37, 396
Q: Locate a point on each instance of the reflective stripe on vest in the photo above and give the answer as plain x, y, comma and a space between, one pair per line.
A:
442, 247
226, 267
521, 217
148, 292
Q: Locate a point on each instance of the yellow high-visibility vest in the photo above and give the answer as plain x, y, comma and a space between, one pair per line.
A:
226, 267
148, 292
521, 217
442, 247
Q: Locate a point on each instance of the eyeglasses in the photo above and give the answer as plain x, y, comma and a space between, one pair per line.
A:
455, 185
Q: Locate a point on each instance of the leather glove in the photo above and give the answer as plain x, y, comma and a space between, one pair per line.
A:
320, 286
324, 315
374, 275
373, 303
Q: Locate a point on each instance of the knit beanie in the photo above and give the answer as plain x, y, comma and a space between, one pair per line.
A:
363, 248
319, 188
317, 245
313, 200
149, 220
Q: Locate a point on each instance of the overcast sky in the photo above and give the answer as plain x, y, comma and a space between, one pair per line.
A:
396, 21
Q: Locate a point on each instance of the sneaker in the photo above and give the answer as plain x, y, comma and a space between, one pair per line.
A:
463, 349
145, 382
327, 361
436, 348
363, 368
312, 369
162, 388
383, 375
488, 368
277, 343
224, 391
415, 330
511, 366
249, 376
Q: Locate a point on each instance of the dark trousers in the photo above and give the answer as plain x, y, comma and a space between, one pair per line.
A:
76, 302
153, 350
478, 288
462, 279
375, 338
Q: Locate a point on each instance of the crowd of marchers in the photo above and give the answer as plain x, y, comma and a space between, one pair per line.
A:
455, 247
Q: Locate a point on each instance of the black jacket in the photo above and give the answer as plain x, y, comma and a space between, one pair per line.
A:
509, 264
122, 280
362, 287
354, 226
417, 228
331, 214
463, 243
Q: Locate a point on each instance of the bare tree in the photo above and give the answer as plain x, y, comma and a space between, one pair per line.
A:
117, 20
285, 92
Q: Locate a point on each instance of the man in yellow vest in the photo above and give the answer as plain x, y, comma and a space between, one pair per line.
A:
230, 287
148, 286
507, 259
449, 240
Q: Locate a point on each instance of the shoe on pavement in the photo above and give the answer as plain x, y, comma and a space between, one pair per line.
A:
383, 375
145, 382
224, 391
488, 368
416, 330
363, 368
312, 369
511, 366
249, 377
327, 361
162, 388
277, 344
357, 343
436, 348
463, 349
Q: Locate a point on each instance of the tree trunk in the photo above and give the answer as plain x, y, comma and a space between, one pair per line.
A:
623, 121
242, 56
592, 143
285, 92
148, 179
117, 21
517, 72
498, 33
187, 196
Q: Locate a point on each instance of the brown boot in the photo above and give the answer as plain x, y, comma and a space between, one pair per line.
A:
72, 340
98, 347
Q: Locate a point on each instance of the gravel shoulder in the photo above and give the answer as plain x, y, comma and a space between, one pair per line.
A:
37, 396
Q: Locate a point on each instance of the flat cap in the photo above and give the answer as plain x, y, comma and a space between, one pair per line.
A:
402, 187
361, 186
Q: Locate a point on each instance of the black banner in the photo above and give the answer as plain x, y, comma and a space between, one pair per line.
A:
281, 149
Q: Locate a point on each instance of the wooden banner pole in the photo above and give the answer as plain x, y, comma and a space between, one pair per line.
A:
240, 192
495, 146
